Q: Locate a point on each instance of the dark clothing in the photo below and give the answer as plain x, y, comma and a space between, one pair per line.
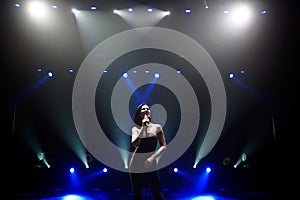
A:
147, 145
151, 179
141, 175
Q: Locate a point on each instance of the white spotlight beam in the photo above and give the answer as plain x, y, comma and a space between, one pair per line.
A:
141, 17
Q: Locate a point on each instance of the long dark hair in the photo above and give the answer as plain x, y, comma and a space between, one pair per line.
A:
137, 117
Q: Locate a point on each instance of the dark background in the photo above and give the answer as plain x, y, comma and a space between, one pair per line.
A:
267, 51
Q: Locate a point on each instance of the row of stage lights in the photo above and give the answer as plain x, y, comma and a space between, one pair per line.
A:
39, 6
43, 161
105, 170
50, 74
42, 157
232, 75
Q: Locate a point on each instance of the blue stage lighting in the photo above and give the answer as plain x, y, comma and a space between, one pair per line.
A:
72, 170
208, 169
263, 12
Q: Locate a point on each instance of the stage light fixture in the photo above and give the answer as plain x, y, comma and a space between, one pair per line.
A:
263, 12
72, 170
75, 11
50, 74
187, 10
208, 170
168, 12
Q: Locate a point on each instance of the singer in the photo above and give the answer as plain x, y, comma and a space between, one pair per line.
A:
143, 165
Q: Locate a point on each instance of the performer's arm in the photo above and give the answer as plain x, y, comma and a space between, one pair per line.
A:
135, 139
161, 149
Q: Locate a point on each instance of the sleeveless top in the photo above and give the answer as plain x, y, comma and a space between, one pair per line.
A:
145, 149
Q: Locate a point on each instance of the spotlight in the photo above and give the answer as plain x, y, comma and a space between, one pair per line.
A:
50, 74
37, 9
125, 75
41, 155
72, 170
263, 12
208, 170
175, 169
187, 10
17, 5
231, 75
75, 11
244, 157
241, 159
104, 170
156, 75
205, 4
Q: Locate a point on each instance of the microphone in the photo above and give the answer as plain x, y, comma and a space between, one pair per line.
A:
146, 117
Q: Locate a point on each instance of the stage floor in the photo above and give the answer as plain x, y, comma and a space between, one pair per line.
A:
126, 194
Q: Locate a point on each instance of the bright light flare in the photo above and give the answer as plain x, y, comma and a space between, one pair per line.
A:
240, 15
37, 9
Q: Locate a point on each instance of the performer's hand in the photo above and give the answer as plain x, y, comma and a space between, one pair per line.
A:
149, 162
145, 120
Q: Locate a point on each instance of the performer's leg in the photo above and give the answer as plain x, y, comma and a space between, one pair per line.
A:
154, 183
137, 185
